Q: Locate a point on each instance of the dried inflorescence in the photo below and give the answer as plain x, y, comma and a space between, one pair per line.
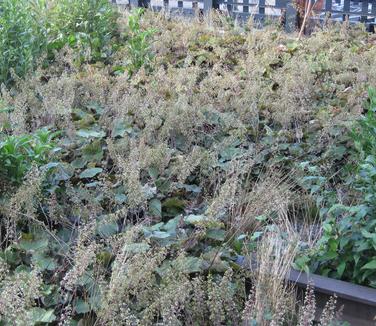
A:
19, 293
213, 123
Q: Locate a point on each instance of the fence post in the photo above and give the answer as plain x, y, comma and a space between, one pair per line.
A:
290, 22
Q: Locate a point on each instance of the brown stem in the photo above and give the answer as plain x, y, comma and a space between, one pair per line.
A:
306, 15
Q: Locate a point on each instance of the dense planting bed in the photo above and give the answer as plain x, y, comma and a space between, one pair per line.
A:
141, 156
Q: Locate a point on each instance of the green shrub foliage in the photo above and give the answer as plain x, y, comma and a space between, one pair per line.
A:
31, 31
347, 248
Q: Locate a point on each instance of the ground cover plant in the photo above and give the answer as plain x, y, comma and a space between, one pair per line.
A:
140, 183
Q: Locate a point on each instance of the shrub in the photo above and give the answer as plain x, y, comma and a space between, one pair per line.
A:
31, 29
23, 36
346, 249
85, 25
19, 153
138, 43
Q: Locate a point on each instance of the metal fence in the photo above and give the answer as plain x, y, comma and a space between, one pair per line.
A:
338, 10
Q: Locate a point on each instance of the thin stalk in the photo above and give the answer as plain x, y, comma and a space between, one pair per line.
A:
306, 15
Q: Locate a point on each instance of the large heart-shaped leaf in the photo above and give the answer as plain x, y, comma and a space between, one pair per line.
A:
90, 173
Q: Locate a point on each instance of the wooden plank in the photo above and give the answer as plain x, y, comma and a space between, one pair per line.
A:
345, 290
359, 302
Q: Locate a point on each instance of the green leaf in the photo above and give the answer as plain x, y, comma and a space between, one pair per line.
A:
85, 133
136, 248
172, 224
160, 235
191, 264
216, 234
194, 219
120, 128
341, 268
36, 244
81, 307
43, 262
369, 235
62, 172
173, 206
329, 255
39, 315
90, 173
256, 235
370, 265
261, 218
327, 228
93, 152
106, 229
79, 163
155, 207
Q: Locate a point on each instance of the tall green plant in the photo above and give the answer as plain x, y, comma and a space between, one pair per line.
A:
347, 247
23, 36
18, 153
85, 25
139, 43
32, 28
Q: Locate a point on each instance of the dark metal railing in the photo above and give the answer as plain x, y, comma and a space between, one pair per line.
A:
283, 10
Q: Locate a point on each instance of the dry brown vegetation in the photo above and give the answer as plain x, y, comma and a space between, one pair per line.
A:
164, 178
